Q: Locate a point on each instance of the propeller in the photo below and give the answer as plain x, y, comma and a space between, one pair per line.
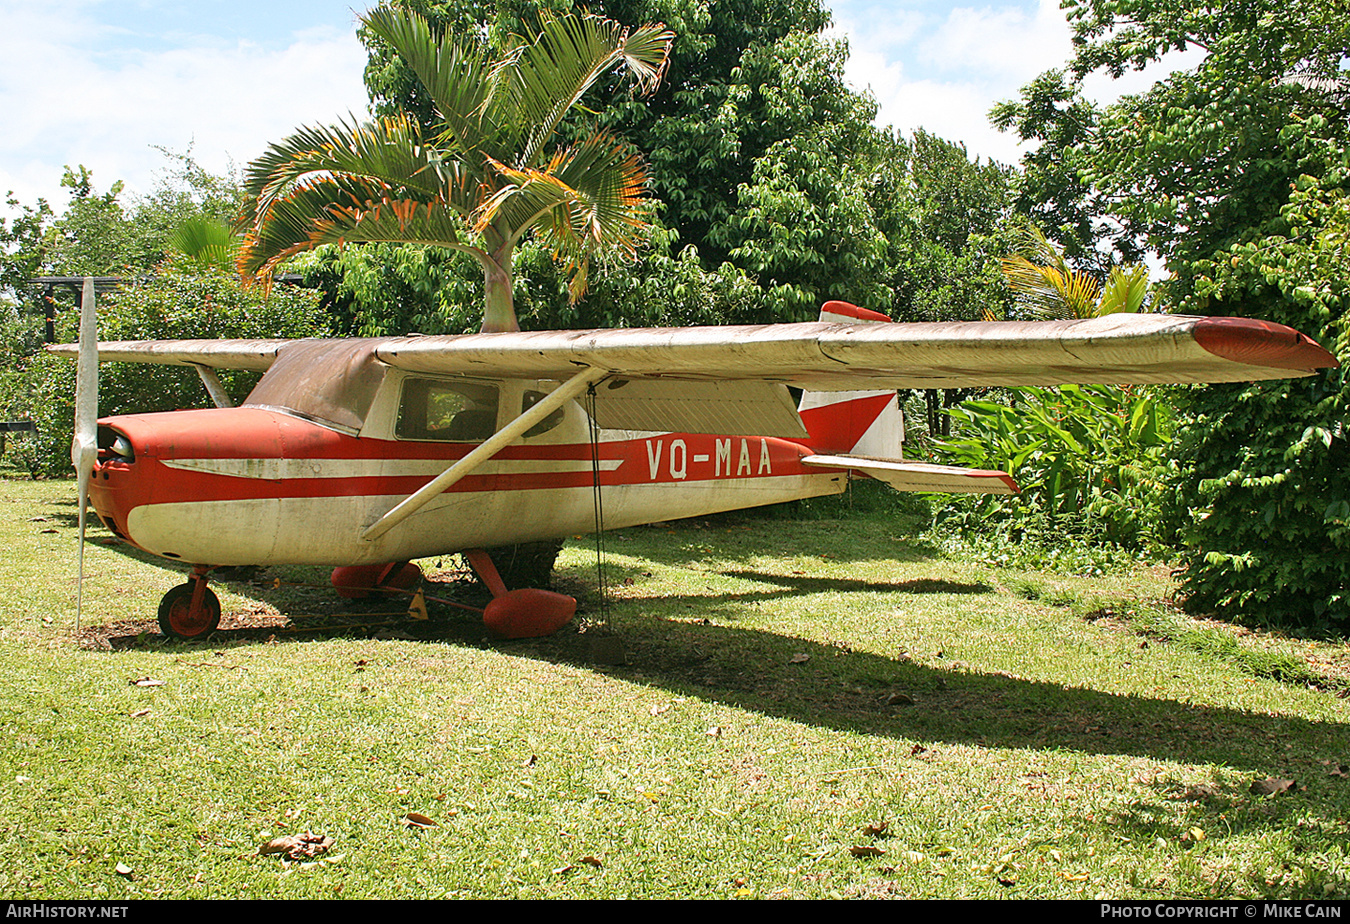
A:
84, 447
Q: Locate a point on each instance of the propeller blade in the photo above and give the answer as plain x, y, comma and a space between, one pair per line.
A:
84, 447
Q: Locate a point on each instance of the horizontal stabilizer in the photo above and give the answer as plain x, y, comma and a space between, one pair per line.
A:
921, 476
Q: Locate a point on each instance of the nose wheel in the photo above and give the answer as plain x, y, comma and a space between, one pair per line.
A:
190, 610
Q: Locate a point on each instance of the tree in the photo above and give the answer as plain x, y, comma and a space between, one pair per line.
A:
1233, 172
769, 172
488, 177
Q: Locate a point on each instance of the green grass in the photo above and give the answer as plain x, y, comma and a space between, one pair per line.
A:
788, 683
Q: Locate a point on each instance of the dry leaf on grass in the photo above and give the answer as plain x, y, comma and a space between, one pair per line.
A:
799, 658
146, 682
1272, 786
297, 846
877, 830
1200, 792
418, 820
866, 850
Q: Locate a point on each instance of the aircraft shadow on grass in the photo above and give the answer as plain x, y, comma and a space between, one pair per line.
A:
931, 703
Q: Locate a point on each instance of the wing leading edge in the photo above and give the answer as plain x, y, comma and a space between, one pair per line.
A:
1118, 349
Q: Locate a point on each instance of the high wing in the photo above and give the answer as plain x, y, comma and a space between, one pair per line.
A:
1118, 349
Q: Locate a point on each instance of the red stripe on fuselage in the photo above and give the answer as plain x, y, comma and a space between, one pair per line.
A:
198, 437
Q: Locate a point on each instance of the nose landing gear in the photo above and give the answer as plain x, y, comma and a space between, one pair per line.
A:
190, 610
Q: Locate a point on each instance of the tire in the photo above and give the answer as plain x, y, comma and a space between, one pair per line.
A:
529, 564
176, 618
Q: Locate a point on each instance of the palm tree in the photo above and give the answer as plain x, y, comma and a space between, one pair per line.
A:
488, 177
1046, 286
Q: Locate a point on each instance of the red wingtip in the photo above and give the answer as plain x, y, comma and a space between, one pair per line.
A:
845, 310
1262, 343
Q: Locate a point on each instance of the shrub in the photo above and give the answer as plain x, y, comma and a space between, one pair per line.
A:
170, 305
1088, 459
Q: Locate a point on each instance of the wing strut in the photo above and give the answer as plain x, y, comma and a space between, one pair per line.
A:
498, 441
214, 388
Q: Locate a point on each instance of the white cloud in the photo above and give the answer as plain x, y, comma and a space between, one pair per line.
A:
1003, 44
73, 94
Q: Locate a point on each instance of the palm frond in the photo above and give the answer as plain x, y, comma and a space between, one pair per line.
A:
586, 201
456, 73
205, 242
536, 87
1126, 290
1050, 291
389, 151
337, 210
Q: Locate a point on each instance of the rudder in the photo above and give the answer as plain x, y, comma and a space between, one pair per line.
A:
860, 423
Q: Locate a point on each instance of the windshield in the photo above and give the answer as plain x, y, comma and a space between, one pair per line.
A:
331, 381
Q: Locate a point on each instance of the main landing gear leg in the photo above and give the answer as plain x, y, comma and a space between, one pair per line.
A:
190, 610
524, 613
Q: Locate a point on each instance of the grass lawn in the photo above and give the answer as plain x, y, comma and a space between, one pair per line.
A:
808, 709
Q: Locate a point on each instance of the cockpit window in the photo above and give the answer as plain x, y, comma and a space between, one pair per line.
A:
455, 412
331, 381
529, 400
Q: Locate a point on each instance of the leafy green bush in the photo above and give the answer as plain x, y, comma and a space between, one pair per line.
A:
170, 305
1088, 459
1262, 500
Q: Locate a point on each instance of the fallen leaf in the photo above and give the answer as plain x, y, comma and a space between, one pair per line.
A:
1337, 769
592, 861
140, 713
799, 658
877, 830
917, 750
1272, 786
530, 761
714, 732
899, 699
123, 870
146, 682
660, 708
297, 846
418, 820
564, 869
1200, 792
866, 850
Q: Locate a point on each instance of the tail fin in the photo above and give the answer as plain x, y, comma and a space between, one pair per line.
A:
861, 423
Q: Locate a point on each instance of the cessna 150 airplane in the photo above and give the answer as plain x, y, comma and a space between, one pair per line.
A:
367, 453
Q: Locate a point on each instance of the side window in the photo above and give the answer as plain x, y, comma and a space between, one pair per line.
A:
455, 412
530, 399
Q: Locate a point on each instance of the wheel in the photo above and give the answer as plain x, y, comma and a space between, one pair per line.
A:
529, 564
177, 619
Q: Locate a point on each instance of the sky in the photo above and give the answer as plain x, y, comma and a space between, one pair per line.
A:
108, 83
